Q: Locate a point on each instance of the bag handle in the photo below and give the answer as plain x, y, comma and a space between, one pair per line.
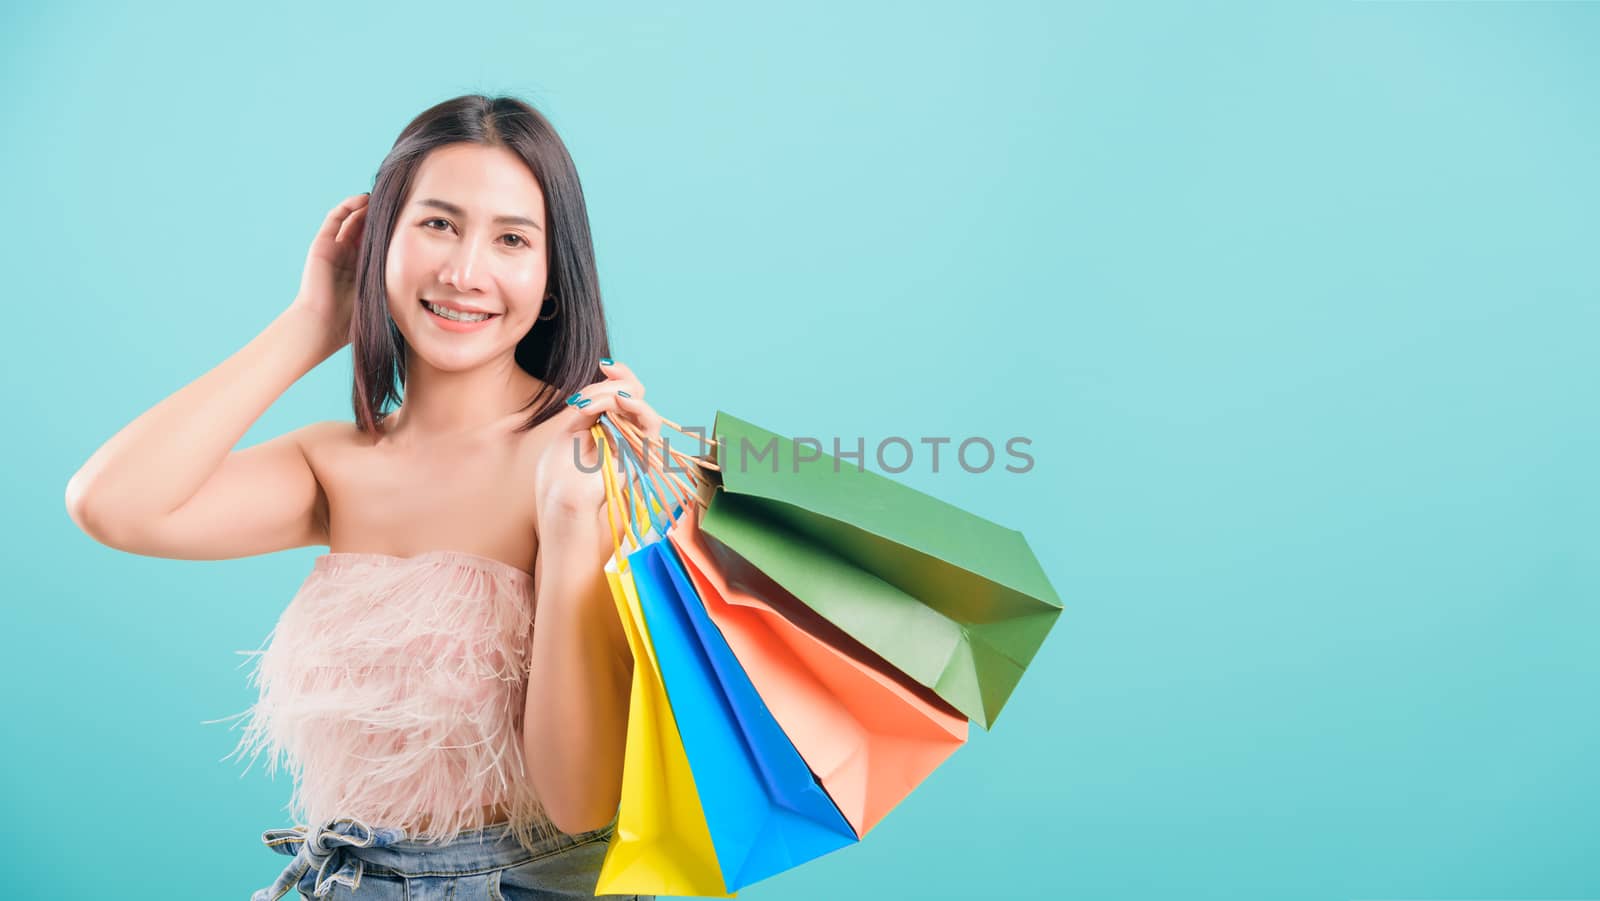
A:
694, 466
613, 498
631, 469
623, 501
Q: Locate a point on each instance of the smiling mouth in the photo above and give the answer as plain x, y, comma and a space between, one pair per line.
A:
450, 315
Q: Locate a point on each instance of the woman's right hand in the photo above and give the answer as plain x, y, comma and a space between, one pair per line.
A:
328, 284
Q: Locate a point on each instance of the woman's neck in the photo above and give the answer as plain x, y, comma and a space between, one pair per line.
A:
443, 404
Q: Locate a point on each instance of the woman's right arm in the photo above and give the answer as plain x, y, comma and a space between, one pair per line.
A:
169, 484
166, 484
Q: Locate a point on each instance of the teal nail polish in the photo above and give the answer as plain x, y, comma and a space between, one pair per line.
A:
574, 398
583, 403
605, 361
621, 393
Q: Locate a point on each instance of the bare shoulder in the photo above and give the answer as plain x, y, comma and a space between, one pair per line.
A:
328, 435
532, 449
319, 441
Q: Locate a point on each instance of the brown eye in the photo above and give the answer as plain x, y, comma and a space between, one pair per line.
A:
519, 239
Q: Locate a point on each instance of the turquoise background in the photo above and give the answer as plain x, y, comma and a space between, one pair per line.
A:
1296, 302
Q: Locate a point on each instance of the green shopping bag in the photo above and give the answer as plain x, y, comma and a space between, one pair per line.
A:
956, 602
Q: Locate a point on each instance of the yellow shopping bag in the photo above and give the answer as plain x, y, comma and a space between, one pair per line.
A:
661, 845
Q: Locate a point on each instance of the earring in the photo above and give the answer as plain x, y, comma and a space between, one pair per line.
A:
554, 310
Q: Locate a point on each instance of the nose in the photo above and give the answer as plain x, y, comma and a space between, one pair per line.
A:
462, 270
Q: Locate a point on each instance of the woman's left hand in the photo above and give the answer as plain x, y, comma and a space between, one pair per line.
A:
568, 491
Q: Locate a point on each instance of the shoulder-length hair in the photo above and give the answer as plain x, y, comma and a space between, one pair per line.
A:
562, 352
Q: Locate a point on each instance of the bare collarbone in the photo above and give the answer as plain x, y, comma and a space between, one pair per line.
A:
473, 495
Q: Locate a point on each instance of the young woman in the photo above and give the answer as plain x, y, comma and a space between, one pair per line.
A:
450, 683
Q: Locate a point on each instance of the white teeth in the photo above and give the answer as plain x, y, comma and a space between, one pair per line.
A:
452, 314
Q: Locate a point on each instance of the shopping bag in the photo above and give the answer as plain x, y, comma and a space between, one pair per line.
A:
661, 845
764, 808
956, 602
870, 735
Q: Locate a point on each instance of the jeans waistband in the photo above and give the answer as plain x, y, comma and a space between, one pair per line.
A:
339, 850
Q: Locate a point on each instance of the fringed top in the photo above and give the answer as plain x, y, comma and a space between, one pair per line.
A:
395, 687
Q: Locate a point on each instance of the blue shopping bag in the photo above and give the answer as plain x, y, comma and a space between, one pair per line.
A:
766, 811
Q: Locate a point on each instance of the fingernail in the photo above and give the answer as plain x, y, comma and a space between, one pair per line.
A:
605, 361
583, 403
574, 398
623, 394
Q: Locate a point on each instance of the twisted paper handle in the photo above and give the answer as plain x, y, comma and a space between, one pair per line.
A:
685, 492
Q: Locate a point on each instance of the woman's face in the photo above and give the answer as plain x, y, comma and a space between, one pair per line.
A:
471, 236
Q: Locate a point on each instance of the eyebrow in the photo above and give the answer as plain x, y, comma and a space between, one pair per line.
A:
454, 210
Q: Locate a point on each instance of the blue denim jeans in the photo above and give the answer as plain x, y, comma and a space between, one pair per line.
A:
346, 858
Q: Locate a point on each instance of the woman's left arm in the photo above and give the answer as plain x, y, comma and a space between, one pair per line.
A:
581, 673
576, 720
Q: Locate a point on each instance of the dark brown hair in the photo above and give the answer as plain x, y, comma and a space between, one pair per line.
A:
563, 352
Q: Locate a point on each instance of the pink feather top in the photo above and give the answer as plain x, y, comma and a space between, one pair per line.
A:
394, 686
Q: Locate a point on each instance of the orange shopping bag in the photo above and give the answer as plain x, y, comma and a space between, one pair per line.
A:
868, 733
